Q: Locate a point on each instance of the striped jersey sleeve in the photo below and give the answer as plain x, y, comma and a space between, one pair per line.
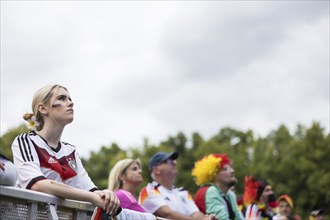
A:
26, 161
36, 160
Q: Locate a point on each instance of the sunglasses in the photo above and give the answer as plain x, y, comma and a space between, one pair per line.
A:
168, 161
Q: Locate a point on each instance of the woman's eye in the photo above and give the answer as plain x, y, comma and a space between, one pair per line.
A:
62, 98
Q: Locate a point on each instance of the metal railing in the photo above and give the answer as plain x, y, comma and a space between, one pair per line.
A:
17, 203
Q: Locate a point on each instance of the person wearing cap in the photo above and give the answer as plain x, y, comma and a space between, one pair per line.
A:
161, 197
258, 199
317, 214
216, 177
285, 207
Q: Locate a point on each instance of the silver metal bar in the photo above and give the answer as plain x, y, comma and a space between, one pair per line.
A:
52, 212
34, 201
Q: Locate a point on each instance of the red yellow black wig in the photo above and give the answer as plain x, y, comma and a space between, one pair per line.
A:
253, 189
206, 168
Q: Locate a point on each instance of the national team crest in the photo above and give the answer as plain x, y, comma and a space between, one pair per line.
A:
73, 165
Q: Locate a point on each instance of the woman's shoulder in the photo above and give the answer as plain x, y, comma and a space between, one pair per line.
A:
27, 134
24, 138
66, 144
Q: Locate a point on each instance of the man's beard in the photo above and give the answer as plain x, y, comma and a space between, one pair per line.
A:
233, 182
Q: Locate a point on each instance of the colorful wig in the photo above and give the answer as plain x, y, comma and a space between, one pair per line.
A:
206, 168
253, 189
286, 198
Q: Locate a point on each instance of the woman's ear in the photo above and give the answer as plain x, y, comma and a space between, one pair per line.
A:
42, 109
122, 177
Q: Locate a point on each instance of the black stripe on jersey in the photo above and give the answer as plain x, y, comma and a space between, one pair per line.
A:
25, 148
32, 133
20, 147
93, 189
27, 142
68, 144
34, 180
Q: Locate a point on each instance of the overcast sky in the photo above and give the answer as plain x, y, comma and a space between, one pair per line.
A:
149, 69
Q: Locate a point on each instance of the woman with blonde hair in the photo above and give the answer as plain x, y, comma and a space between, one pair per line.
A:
124, 179
47, 164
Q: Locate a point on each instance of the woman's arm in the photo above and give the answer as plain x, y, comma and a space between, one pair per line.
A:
104, 199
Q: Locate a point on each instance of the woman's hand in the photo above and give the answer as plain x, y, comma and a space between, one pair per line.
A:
107, 200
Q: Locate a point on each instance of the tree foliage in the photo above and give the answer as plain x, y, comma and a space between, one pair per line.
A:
296, 163
7, 139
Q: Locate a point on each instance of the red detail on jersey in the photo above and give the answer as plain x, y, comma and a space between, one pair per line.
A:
61, 165
143, 194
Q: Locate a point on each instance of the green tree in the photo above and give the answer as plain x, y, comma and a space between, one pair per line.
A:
7, 139
100, 163
297, 164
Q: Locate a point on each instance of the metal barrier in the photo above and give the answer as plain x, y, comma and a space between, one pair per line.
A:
17, 203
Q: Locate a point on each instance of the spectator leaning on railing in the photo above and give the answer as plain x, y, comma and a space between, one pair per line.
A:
47, 164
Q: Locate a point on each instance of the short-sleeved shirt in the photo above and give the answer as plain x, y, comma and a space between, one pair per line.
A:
154, 196
128, 201
35, 160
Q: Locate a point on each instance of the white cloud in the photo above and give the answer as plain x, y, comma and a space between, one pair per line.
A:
151, 69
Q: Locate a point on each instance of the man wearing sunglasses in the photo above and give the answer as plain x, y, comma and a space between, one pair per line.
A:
161, 197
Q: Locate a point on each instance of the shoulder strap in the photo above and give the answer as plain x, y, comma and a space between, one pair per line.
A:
230, 208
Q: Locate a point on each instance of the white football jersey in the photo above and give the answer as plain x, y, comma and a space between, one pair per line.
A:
36, 160
153, 196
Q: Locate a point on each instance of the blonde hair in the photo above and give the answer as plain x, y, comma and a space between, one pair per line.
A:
42, 96
119, 169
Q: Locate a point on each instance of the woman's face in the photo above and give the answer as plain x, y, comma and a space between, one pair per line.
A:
284, 208
61, 107
133, 174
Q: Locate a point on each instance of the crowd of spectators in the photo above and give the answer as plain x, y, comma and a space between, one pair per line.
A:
44, 163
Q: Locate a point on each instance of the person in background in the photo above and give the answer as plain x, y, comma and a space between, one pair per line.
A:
285, 207
124, 178
317, 214
258, 199
216, 177
8, 173
161, 197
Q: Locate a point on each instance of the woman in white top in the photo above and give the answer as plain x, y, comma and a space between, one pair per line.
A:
45, 163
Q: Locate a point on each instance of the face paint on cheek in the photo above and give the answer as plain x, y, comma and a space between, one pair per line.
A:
56, 106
